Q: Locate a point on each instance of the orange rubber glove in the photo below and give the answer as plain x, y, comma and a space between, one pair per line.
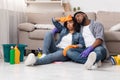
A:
66, 18
68, 47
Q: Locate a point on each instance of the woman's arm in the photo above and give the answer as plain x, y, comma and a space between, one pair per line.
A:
58, 25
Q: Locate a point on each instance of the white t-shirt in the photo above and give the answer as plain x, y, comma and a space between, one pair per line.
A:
88, 36
65, 41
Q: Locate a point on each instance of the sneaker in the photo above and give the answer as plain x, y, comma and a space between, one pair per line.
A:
96, 65
30, 60
90, 61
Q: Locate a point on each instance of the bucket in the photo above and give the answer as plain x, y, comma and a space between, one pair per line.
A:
6, 51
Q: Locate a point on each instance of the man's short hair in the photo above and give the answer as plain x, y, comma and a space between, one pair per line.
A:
80, 12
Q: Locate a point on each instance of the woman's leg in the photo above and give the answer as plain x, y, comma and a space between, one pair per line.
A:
56, 56
74, 55
49, 43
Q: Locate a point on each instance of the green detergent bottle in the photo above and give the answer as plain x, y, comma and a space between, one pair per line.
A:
12, 55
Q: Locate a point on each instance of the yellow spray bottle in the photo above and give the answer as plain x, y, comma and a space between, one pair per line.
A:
17, 55
39, 53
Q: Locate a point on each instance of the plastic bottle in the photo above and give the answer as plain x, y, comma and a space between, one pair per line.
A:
39, 53
17, 55
12, 55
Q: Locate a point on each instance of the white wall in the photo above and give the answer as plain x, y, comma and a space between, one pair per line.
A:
96, 5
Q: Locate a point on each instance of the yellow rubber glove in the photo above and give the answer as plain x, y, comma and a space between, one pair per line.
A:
68, 47
66, 18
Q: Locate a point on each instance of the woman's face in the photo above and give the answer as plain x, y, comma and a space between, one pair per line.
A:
70, 25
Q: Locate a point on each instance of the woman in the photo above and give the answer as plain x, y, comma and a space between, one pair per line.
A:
54, 51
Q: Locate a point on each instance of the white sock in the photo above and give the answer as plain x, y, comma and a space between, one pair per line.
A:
43, 55
90, 61
30, 60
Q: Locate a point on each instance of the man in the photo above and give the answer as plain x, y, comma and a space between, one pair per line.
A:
93, 34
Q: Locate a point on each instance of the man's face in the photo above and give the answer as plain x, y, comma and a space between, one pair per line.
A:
80, 18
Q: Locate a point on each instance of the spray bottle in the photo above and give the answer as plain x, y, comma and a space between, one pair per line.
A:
39, 53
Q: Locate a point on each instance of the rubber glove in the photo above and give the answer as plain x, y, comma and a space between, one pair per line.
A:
66, 18
68, 47
54, 31
87, 51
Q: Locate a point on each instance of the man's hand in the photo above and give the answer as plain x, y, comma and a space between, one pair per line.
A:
87, 51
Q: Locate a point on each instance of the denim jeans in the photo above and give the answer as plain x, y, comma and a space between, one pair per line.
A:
52, 52
75, 55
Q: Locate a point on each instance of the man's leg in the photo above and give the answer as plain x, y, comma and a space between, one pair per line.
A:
56, 56
49, 43
101, 53
98, 55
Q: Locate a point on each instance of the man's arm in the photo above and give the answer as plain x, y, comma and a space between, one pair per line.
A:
97, 42
99, 35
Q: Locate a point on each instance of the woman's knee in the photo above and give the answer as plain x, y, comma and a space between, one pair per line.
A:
69, 52
49, 33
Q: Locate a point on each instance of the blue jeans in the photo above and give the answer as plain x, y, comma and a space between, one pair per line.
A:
75, 55
52, 52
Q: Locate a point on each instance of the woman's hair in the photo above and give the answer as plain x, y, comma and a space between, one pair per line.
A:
75, 25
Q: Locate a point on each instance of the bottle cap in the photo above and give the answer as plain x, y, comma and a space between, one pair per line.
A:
11, 47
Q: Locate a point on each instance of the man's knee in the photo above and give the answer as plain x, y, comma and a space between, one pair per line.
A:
101, 52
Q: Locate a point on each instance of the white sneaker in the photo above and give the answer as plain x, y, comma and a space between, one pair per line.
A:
30, 60
96, 65
90, 61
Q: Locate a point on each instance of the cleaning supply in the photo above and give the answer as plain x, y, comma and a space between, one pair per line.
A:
115, 60
17, 55
12, 55
39, 53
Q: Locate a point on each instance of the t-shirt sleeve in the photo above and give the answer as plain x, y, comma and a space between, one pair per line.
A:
99, 31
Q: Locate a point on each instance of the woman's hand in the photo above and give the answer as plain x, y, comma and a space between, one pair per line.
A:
68, 47
57, 19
